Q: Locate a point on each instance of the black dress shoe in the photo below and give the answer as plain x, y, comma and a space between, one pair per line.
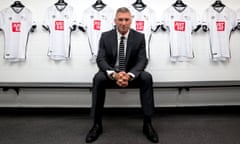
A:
150, 133
94, 133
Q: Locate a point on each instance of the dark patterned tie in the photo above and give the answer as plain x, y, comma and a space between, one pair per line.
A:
121, 55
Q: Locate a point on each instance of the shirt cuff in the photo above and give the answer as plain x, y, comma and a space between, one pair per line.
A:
132, 76
110, 74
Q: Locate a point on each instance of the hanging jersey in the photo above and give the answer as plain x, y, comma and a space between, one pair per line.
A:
180, 24
144, 21
220, 24
59, 21
16, 24
94, 23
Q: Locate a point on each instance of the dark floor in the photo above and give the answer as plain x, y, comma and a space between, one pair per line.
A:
202, 125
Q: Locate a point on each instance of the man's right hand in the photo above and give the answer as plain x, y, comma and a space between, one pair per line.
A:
121, 78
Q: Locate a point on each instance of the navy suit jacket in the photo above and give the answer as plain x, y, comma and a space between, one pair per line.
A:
136, 60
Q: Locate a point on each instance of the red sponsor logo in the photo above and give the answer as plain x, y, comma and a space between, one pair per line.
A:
16, 27
179, 26
220, 25
97, 25
140, 25
59, 25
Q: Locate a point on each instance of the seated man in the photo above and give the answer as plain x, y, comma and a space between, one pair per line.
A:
121, 60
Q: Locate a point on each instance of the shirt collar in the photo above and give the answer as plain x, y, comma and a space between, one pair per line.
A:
119, 35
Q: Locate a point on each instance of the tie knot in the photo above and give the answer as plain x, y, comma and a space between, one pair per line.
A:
122, 37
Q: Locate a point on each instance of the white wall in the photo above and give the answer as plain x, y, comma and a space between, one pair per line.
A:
38, 68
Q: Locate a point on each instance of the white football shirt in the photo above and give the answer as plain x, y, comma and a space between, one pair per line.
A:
59, 21
16, 24
144, 21
180, 24
220, 23
94, 23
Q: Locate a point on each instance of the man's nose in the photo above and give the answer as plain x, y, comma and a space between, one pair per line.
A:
123, 22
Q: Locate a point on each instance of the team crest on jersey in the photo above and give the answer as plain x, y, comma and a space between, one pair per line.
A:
66, 16
146, 17
53, 16
213, 17
22, 17
91, 16
104, 17
10, 18
187, 17
225, 17
172, 17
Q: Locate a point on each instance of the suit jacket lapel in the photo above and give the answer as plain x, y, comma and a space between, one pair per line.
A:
129, 45
114, 44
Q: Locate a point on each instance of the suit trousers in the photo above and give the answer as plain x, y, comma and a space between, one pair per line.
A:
101, 82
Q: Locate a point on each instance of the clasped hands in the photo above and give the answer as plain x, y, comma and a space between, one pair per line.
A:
122, 78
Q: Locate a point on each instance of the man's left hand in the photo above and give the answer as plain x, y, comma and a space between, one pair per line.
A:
122, 79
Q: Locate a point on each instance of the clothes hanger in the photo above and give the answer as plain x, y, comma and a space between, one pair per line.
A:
179, 3
61, 2
61, 5
98, 5
217, 4
17, 4
139, 5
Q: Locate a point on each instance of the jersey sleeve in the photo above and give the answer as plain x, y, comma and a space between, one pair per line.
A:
83, 21
238, 16
1, 21
165, 19
154, 22
73, 18
233, 19
195, 20
46, 19
112, 18
32, 20
204, 18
